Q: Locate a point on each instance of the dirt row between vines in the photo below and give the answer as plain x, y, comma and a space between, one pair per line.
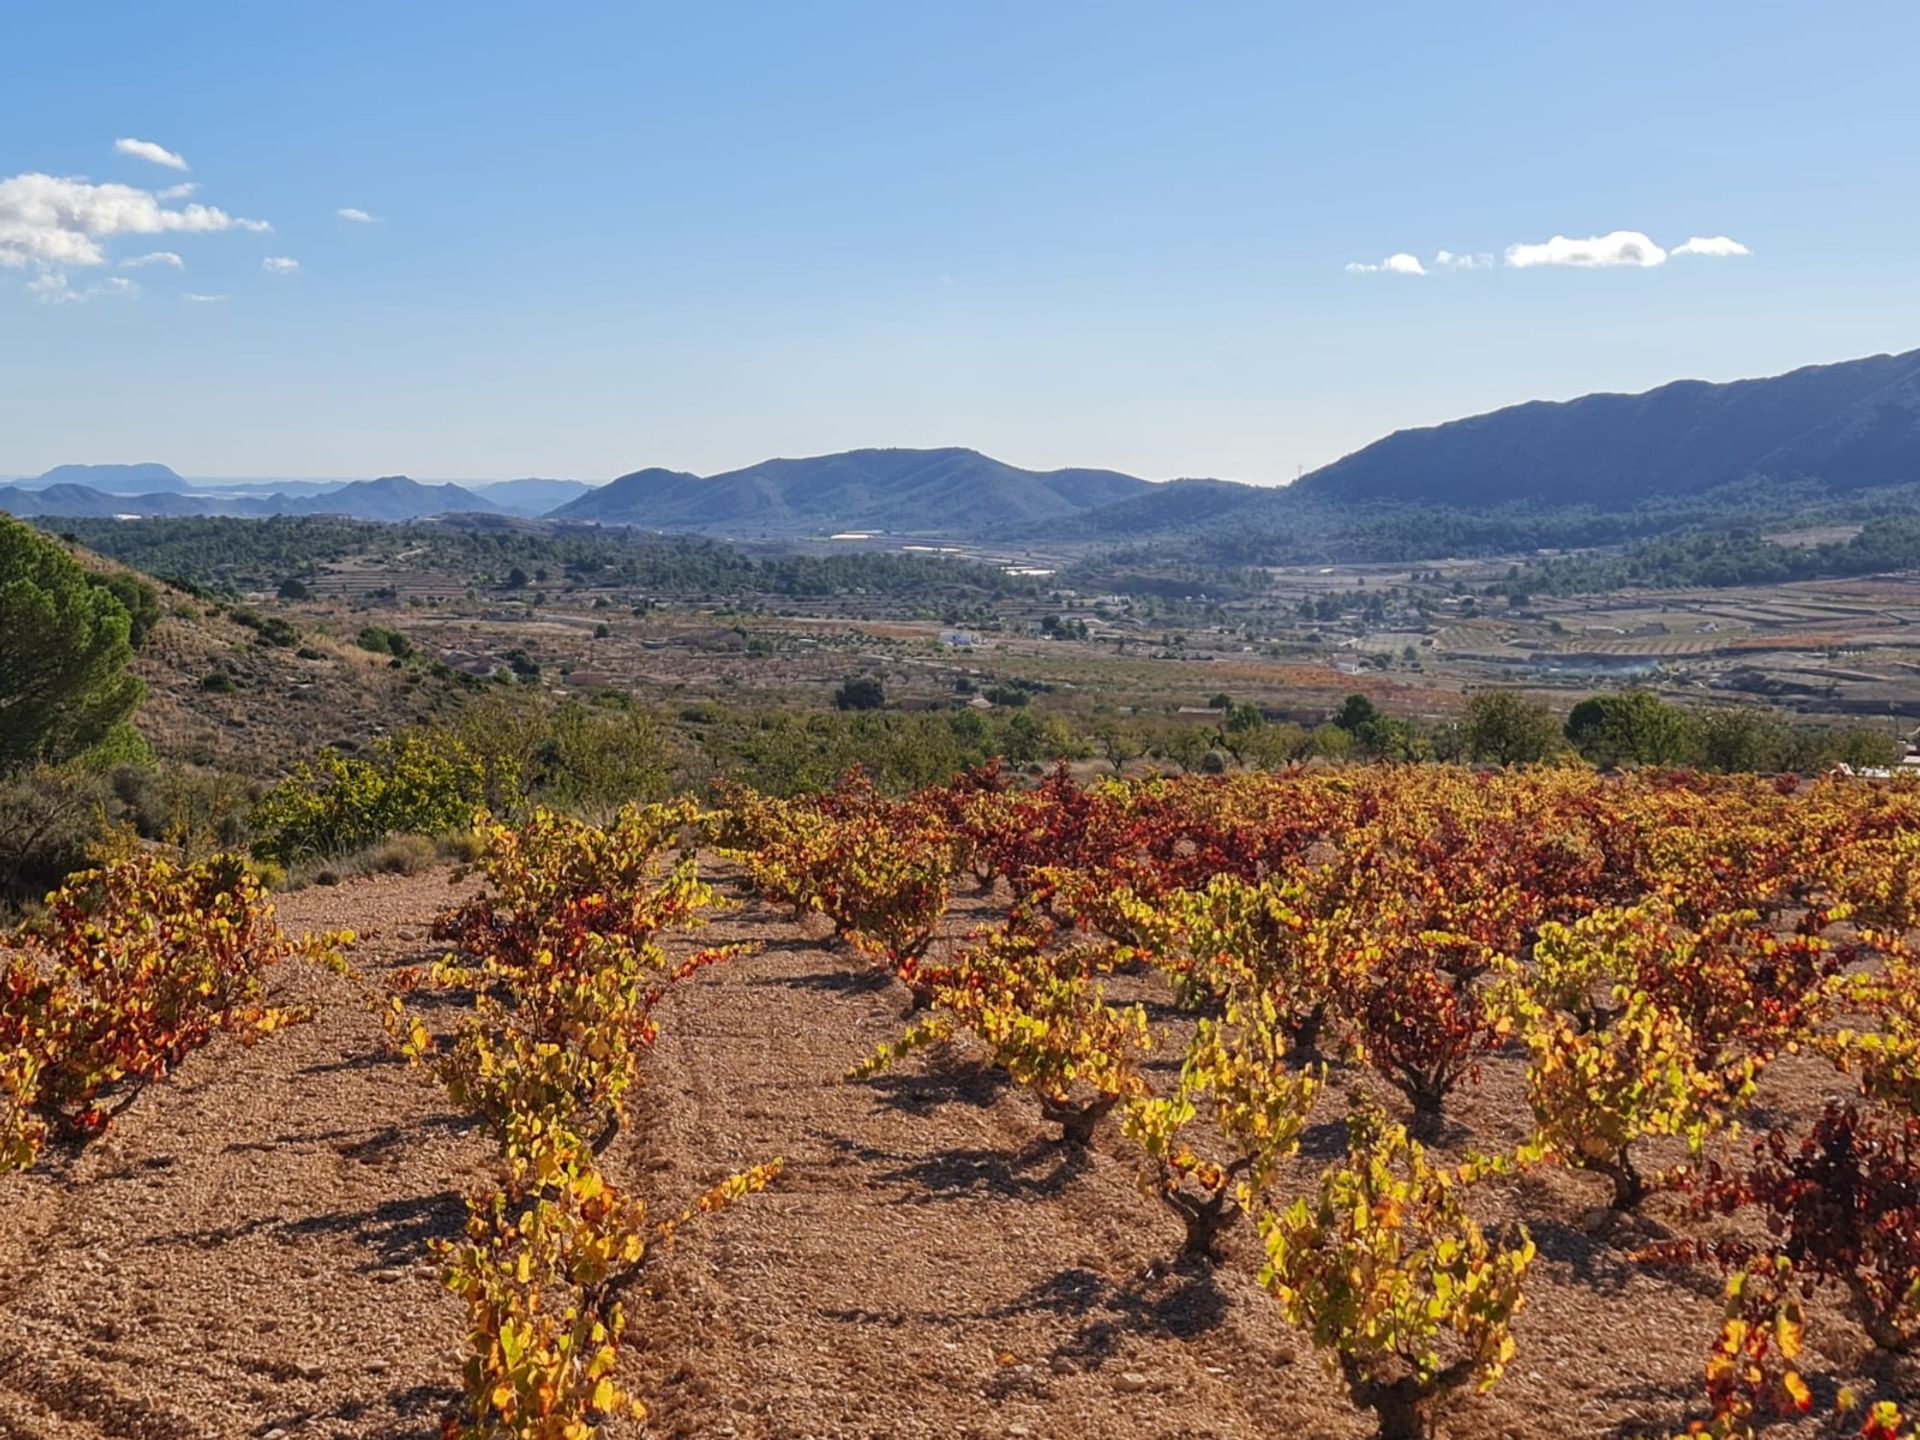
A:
245, 1253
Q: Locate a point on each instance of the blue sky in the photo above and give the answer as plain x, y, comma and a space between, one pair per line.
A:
610, 236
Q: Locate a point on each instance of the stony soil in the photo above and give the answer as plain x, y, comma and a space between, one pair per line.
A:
245, 1253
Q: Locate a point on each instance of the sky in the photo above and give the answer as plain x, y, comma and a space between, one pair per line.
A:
484, 240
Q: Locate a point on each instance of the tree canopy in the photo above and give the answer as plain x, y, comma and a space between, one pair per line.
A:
64, 647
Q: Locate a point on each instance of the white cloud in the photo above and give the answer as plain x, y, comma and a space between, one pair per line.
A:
51, 287
158, 257
1714, 245
47, 220
203, 299
1617, 247
357, 215
279, 265
1447, 260
178, 192
147, 150
1400, 263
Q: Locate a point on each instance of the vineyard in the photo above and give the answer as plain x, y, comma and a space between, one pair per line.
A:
1375, 1100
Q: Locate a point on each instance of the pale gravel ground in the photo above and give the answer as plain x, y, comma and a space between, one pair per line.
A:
245, 1251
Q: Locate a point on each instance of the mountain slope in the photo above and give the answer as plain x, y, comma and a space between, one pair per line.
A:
1844, 427
915, 490
1174, 507
391, 497
630, 499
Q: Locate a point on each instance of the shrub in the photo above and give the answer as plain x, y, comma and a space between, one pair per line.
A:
402, 855
1239, 1069
1260, 940
1886, 1057
543, 1281
424, 782
218, 682
274, 630
1390, 1275
1424, 1032
1044, 1019
1844, 1208
862, 692
137, 964
198, 812
49, 817
1752, 1371
381, 641
1595, 1092
594, 758
563, 953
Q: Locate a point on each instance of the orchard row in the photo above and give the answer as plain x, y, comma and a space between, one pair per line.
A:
1647, 945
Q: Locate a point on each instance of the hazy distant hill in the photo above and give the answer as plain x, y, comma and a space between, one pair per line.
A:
1174, 507
1844, 427
391, 497
531, 496
142, 479
85, 502
948, 490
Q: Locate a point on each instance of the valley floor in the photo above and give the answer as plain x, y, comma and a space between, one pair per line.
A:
244, 1254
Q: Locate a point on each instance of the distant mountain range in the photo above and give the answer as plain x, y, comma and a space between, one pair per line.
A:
1831, 429
1827, 430
950, 491
143, 479
390, 498
1840, 427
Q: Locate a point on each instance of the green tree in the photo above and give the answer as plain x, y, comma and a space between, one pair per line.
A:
1742, 740
1631, 727
862, 692
1118, 742
1862, 747
64, 647
1506, 728
1330, 742
1356, 714
141, 600
1244, 719
1272, 746
1186, 745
